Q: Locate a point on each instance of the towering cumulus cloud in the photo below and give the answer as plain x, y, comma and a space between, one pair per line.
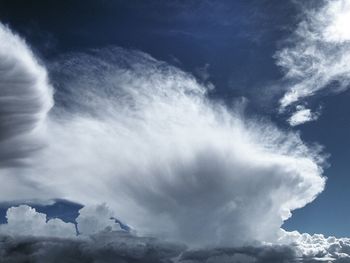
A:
317, 55
25, 98
143, 137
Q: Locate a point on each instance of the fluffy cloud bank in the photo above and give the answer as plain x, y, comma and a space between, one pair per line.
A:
317, 54
24, 220
317, 247
28, 235
143, 137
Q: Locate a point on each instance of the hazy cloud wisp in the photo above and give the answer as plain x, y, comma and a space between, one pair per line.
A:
317, 54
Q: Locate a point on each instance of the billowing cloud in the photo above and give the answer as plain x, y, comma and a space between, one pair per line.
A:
25, 99
317, 246
28, 235
316, 56
94, 219
143, 137
26, 221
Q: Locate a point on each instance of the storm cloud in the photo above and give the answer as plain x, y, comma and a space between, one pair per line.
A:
120, 246
143, 137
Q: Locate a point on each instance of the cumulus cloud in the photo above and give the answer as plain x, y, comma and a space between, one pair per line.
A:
28, 235
26, 221
25, 99
302, 115
23, 220
143, 137
317, 246
94, 219
316, 55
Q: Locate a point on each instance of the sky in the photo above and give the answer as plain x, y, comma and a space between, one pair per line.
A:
188, 120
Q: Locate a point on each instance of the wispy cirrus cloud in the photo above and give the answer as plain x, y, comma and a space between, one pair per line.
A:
316, 55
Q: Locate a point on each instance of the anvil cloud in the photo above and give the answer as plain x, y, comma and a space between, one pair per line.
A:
142, 136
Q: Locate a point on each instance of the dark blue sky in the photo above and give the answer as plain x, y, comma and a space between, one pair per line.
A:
229, 43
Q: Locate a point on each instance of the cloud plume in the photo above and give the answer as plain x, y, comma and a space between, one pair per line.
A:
142, 136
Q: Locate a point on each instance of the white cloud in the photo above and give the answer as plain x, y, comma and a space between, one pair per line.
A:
337, 16
94, 219
26, 221
302, 115
317, 246
142, 136
316, 55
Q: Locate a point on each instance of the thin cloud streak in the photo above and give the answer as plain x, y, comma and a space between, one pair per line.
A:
316, 55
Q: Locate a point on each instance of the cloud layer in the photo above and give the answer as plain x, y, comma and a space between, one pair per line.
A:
119, 246
96, 236
316, 55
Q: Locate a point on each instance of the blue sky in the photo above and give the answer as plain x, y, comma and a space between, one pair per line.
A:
231, 44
